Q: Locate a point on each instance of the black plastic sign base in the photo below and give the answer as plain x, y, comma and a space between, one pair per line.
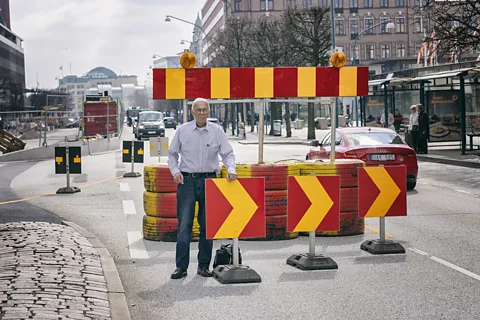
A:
382, 247
68, 190
132, 175
305, 262
226, 274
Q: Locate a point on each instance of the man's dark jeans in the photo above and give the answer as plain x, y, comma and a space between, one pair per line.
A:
192, 190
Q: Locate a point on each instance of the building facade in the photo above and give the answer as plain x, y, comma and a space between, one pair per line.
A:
94, 79
12, 62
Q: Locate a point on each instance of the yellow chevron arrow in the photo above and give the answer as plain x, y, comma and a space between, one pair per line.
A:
321, 204
389, 191
243, 208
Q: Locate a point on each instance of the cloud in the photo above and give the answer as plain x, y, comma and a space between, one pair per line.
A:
121, 35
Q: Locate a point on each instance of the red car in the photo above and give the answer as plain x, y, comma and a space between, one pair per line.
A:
372, 145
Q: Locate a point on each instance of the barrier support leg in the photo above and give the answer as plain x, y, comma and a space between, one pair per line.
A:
236, 272
382, 246
312, 261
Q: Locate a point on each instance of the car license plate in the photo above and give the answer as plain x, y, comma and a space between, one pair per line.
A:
151, 132
382, 157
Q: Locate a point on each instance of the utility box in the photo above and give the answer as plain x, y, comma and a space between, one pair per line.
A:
298, 124
277, 127
322, 123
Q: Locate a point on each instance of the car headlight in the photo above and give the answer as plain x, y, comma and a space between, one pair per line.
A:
141, 126
161, 126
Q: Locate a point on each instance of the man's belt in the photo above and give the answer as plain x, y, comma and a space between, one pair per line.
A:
198, 175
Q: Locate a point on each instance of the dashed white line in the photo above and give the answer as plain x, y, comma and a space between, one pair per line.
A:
463, 191
136, 245
1, 165
448, 264
124, 187
129, 207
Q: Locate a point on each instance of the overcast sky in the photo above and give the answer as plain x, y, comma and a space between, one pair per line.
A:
121, 35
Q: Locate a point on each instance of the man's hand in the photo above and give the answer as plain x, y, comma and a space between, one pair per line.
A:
178, 178
231, 176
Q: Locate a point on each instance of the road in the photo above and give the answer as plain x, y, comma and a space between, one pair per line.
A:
438, 277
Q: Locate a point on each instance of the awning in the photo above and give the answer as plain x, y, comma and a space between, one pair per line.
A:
378, 82
445, 74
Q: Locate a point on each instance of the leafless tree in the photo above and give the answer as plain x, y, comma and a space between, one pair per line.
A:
308, 40
454, 26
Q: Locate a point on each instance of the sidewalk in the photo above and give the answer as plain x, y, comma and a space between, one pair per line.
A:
452, 157
51, 271
299, 136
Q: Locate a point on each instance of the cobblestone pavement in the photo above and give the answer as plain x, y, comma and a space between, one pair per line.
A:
49, 271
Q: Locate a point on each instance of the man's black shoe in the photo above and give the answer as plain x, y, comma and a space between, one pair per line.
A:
204, 272
178, 273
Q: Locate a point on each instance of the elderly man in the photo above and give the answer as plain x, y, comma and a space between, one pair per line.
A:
199, 143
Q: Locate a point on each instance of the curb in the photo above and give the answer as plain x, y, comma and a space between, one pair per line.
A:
116, 293
453, 162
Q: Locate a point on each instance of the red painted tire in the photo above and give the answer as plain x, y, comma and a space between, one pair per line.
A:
348, 199
160, 204
157, 178
276, 202
350, 224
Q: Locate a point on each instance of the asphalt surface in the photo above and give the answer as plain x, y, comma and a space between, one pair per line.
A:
438, 277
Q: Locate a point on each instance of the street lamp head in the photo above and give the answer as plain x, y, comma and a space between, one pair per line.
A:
167, 19
390, 26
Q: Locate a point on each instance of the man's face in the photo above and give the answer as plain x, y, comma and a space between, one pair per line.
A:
414, 110
201, 111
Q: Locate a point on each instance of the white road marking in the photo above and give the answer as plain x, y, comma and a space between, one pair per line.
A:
124, 187
1, 165
463, 191
448, 264
129, 207
136, 245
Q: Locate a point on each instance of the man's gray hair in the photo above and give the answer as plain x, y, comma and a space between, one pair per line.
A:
200, 100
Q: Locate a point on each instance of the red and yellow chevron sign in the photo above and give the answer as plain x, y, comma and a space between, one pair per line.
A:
243, 83
382, 191
235, 209
313, 203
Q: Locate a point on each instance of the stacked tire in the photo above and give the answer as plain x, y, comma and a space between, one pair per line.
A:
276, 182
347, 169
160, 205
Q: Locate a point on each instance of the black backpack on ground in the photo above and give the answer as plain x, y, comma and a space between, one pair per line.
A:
223, 256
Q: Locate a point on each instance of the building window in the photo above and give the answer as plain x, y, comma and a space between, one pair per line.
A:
417, 3
324, 3
355, 56
400, 3
400, 24
338, 3
383, 3
80, 86
270, 4
238, 5
307, 3
339, 27
368, 3
385, 51
400, 50
369, 52
263, 5
419, 24
354, 26
353, 3
383, 26
291, 4
368, 22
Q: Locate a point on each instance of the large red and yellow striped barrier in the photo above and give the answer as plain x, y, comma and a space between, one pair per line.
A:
241, 83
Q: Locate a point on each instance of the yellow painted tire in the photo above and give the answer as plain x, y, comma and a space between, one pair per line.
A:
160, 204
347, 169
276, 175
165, 229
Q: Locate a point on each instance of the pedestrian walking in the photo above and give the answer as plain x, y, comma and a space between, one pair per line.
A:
423, 129
199, 144
413, 127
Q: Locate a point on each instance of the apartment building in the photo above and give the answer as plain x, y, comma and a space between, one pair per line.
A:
381, 49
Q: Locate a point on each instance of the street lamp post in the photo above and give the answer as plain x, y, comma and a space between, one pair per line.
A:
168, 19
389, 26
